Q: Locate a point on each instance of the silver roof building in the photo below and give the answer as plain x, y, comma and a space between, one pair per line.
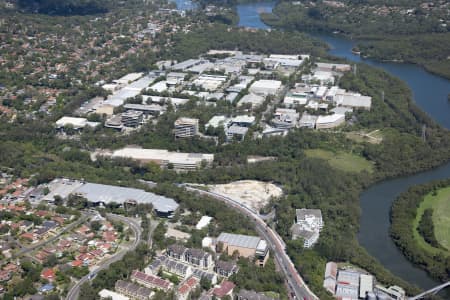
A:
97, 193
244, 241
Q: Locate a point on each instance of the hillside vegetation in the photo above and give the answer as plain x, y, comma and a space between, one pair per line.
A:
63, 7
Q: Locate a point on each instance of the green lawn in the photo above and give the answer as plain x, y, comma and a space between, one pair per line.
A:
441, 219
347, 162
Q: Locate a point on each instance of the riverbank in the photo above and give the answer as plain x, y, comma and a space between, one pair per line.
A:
376, 201
401, 145
405, 212
381, 36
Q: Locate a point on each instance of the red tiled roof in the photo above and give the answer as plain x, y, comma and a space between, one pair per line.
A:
5, 275
225, 288
76, 263
151, 279
27, 235
10, 267
188, 285
48, 274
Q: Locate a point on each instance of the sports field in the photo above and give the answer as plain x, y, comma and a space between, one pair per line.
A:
440, 203
347, 162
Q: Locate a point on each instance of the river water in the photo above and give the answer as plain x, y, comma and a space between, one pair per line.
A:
430, 93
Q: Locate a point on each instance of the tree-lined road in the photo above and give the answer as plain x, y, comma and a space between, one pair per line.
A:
137, 231
276, 243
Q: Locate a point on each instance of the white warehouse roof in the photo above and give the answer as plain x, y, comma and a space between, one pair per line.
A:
187, 160
94, 192
75, 122
266, 87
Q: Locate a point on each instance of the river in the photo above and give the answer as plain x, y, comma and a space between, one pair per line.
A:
430, 93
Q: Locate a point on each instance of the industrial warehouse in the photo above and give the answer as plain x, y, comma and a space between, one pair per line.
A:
163, 158
102, 194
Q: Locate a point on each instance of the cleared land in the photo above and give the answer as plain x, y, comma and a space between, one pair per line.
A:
251, 193
440, 204
374, 137
341, 160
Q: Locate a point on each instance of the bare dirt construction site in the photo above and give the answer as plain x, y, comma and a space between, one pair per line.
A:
251, 193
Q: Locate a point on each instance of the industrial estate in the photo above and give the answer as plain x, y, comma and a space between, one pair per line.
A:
152, 151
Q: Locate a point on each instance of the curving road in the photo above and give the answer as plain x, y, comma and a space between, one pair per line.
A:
137, 231
276, 243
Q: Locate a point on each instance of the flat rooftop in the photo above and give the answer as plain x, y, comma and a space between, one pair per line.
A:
94, 192
239, 240
163, 155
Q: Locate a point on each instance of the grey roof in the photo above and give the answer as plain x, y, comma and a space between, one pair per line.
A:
244, 241
197, 253
227, 266
303, 212
200, 273
177, 249
144, 107
235, 129
298, 231
94, 192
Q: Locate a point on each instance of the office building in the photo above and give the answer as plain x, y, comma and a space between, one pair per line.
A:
152, 109
265, 87
186, 127
329, 121
132, 118
285, 118
164, 158
308, 225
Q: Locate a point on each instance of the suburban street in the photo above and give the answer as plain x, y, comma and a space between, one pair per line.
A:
137, 231
26, 249
295, 281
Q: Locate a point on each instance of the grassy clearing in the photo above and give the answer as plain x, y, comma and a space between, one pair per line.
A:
440, 203
374, 137
343, 161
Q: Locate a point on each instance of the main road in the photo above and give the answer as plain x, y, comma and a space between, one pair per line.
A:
137, 231
276, 243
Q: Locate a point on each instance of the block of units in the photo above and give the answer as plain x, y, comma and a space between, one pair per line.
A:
226, 268
133, 290
186, 287
107, 294
186, 127
151, 281
192, 256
